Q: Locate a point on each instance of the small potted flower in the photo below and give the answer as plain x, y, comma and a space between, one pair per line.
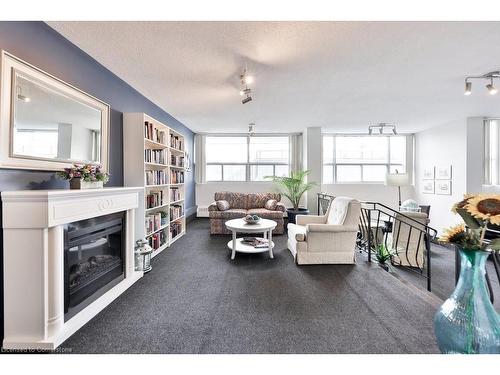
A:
467, 321
84, 176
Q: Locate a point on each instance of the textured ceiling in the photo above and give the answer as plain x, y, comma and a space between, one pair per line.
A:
338, 75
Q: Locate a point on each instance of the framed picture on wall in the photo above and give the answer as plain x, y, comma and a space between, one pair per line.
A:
429, 173
443, 187
428, 187
443, 173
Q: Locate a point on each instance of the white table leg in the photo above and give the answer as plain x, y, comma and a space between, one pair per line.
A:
233, 253
265, 234
270, 239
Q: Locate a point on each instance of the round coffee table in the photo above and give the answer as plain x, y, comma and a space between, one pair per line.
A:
264, 226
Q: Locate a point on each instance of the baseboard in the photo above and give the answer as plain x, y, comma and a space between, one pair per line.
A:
191, 213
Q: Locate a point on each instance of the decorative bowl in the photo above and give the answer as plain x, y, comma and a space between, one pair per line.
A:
251, 219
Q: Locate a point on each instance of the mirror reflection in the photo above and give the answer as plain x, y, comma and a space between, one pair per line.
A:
50, 125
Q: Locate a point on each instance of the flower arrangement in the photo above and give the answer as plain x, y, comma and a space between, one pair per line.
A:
86, 172
477, 211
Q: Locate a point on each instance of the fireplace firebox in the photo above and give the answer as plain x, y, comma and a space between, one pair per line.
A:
93, 259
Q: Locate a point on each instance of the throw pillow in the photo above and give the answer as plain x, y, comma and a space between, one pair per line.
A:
222, 205
271, 204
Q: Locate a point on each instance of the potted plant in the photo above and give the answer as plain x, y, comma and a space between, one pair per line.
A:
467, 321
293, 188
383, 254
84, 176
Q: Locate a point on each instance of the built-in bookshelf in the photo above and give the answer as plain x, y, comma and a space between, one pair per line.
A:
154, 157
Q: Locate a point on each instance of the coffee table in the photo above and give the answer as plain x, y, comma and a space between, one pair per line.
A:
264, 226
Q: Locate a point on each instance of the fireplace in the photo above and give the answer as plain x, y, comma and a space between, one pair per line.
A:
93, 259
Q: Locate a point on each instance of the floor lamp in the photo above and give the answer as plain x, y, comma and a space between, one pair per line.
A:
397, 179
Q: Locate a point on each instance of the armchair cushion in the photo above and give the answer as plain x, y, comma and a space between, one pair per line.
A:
310, 219
223, 205
271, 204
338, 210
330, 228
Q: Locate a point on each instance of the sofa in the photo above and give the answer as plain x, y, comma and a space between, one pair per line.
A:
242, 204
329, 238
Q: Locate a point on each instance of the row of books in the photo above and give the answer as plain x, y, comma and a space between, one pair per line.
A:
152, 222
176, 177
175, 194
176, 142
157, 240
176, 160
154, 134
155, 156
155, 199
176, 211
156, 178
175, 229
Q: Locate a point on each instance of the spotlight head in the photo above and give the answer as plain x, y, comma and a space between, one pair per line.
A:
468, 88
491, 89
246, 100
242, 92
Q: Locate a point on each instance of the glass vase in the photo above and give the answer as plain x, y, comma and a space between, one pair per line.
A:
467, 322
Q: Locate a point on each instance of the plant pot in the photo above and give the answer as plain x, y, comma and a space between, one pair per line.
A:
291, 213
467, 322
384, 266
78, 183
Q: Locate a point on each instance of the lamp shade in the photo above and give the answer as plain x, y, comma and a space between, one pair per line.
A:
396, 179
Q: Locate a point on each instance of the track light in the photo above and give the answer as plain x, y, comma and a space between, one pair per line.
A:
489, 76
491, 89
382, 129
468, 88
246, 100
251, 131
245, 91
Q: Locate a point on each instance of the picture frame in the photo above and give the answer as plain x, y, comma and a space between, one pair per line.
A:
443, 172
443, 187
429, 173
428, 186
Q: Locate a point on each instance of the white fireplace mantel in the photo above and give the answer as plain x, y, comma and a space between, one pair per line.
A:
33, 233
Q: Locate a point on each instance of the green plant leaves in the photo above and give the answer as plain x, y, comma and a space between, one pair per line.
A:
293, 187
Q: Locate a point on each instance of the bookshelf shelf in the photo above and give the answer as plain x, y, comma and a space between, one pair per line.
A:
152, 153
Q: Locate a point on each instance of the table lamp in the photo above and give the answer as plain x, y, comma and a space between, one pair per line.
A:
397, 179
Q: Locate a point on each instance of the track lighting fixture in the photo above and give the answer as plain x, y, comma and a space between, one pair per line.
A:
488, 76
382, 128
251, 131
245, 80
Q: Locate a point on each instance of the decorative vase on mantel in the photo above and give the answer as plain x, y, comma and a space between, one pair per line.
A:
467, 322
78, 183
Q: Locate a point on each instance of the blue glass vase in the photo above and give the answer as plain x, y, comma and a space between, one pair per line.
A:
467, 322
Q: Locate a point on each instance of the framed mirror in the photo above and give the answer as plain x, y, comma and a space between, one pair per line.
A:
47, 124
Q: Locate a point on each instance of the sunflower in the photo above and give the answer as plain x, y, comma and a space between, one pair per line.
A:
485, 207
453, 234
462, 203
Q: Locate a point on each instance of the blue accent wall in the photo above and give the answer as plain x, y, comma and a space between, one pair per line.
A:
38, 44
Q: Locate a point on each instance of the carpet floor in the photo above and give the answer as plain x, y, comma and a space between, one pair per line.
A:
196, 300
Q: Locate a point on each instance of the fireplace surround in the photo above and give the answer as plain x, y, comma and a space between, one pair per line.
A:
38, 225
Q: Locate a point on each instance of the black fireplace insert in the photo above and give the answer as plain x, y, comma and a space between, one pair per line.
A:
93, 259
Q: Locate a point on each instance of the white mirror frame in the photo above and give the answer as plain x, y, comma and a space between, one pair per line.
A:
9, 64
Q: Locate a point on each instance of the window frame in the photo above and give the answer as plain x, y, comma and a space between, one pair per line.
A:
488, 180
333, 164
248, 164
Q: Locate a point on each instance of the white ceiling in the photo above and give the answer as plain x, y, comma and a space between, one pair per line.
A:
338, 75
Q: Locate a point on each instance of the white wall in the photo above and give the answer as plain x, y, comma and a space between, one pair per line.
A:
444, 145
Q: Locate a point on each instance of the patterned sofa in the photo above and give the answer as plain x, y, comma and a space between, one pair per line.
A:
242, 204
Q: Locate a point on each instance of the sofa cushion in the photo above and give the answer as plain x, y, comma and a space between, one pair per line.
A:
223, 205
258, 200
338, 210
236, 200
266, 214
271, 204
232, 213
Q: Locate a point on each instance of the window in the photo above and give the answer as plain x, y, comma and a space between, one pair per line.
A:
349, 158
491, 152
245, 158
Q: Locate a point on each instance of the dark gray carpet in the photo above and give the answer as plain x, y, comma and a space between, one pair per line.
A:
196, 300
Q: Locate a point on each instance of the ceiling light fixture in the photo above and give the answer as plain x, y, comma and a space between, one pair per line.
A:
251, 131
488, 76
245, 91
382, 128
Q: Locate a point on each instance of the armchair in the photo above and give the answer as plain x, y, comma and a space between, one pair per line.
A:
329, 238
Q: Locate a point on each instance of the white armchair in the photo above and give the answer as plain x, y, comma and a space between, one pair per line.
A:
326, 239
